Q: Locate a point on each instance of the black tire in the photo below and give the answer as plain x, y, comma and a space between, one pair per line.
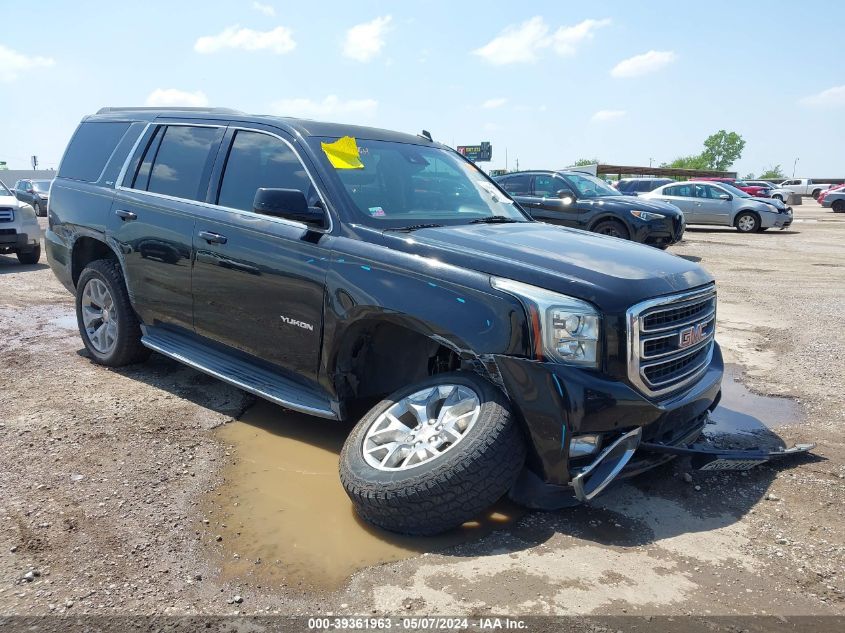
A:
30, 257
40, 210
128, 348
613, 228
777, 196
753, 228
838, 206
816, 193
452, 488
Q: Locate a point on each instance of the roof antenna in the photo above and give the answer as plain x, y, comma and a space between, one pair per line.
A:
426, 134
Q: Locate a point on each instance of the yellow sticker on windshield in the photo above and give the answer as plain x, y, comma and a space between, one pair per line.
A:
343, 153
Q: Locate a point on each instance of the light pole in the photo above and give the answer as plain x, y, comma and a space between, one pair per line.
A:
794, 165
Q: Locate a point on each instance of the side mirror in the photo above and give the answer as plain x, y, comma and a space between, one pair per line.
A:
289, 204
566, 196
725, 196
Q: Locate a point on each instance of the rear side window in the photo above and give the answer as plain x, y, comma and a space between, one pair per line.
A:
682, 191
182, 161
517, 185
90, 149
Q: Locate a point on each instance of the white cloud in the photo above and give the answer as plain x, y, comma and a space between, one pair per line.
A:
279, 40
266, 9
497, 102
365, 41
830, 98
607, 115
520, 43
517, 43
173, 97
639, 65
329, 108
566, 38
13, 63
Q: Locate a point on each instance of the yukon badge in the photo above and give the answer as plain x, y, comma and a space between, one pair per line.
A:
302, 324
690, 336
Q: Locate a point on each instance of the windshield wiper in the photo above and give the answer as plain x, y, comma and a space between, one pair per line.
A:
413, 227
493, 219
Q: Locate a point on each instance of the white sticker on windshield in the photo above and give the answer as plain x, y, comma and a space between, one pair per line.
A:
497, 195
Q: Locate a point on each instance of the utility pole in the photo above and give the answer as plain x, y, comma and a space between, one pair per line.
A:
506, 160
650, 161
517, 164
794, 165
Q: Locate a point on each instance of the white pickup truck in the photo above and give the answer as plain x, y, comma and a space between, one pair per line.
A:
805, 186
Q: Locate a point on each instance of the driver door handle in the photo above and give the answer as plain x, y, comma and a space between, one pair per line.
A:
126, 216
213, 238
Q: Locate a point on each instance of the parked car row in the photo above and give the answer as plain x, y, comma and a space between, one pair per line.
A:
833, 198
19, 230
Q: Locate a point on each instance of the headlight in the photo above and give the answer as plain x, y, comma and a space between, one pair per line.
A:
647, 215
582, 445
565, 329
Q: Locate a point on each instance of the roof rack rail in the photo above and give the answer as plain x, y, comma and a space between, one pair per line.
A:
168, 109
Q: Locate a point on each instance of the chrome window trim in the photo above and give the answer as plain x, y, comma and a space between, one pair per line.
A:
635, 362
207, 205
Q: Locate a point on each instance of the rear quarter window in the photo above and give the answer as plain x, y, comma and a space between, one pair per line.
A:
90, 149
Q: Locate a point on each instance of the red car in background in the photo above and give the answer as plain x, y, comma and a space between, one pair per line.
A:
752, 190
820, 199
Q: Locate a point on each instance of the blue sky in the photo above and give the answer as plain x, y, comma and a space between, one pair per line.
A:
550, 81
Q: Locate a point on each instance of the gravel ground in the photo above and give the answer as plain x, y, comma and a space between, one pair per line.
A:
105, 474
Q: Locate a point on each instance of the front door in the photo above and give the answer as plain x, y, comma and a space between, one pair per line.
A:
712, 209
259, 281
554, 208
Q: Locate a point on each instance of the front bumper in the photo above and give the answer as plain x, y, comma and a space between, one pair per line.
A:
12, 241
660, 233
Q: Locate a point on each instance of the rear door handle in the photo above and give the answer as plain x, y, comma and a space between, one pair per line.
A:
126, 216
213, 238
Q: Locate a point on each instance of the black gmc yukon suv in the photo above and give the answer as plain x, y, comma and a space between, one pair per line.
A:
324, 266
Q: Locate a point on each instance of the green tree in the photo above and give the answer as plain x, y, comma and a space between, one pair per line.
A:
722, 149
773, 173
695, 161
581, 162
749, 176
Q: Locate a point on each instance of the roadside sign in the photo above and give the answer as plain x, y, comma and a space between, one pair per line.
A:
477, 153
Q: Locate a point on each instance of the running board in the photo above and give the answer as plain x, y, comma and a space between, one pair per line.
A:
244, 375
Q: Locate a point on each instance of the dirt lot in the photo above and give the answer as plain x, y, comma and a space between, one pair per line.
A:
130, 492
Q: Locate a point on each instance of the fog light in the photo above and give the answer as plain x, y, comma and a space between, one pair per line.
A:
582, 445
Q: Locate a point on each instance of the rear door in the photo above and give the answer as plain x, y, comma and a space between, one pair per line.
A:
157, 201
259, 281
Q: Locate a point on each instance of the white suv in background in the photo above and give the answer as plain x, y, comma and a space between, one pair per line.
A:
19, 229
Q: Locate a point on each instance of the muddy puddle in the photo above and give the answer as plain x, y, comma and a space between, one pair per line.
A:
744, 417
287, 518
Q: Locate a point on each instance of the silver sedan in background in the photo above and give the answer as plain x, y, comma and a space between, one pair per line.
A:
720, 204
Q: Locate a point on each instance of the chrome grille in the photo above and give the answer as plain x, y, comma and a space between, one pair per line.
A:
670, 340
6, 214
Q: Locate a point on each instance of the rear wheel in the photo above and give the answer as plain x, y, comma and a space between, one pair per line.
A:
613, 228
777, 196
109, 327
31, 256
747, 222
434, 455
839, 206
816, 193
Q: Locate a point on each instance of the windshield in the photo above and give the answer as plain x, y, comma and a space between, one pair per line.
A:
394, 185
41, 186
587, 186
739, 193
4, 190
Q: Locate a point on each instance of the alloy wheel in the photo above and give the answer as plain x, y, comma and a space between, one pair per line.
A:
99, 316
421, 427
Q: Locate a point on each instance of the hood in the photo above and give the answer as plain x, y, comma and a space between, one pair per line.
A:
609, 272
774, 202
637, 203
9, 201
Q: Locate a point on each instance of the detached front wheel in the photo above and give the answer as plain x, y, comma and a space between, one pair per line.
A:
432, 456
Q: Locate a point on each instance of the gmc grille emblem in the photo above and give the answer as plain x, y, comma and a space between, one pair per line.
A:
691, 335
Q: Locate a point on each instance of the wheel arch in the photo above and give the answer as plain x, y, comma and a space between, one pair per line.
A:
610, 216
377, 355
753, 212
